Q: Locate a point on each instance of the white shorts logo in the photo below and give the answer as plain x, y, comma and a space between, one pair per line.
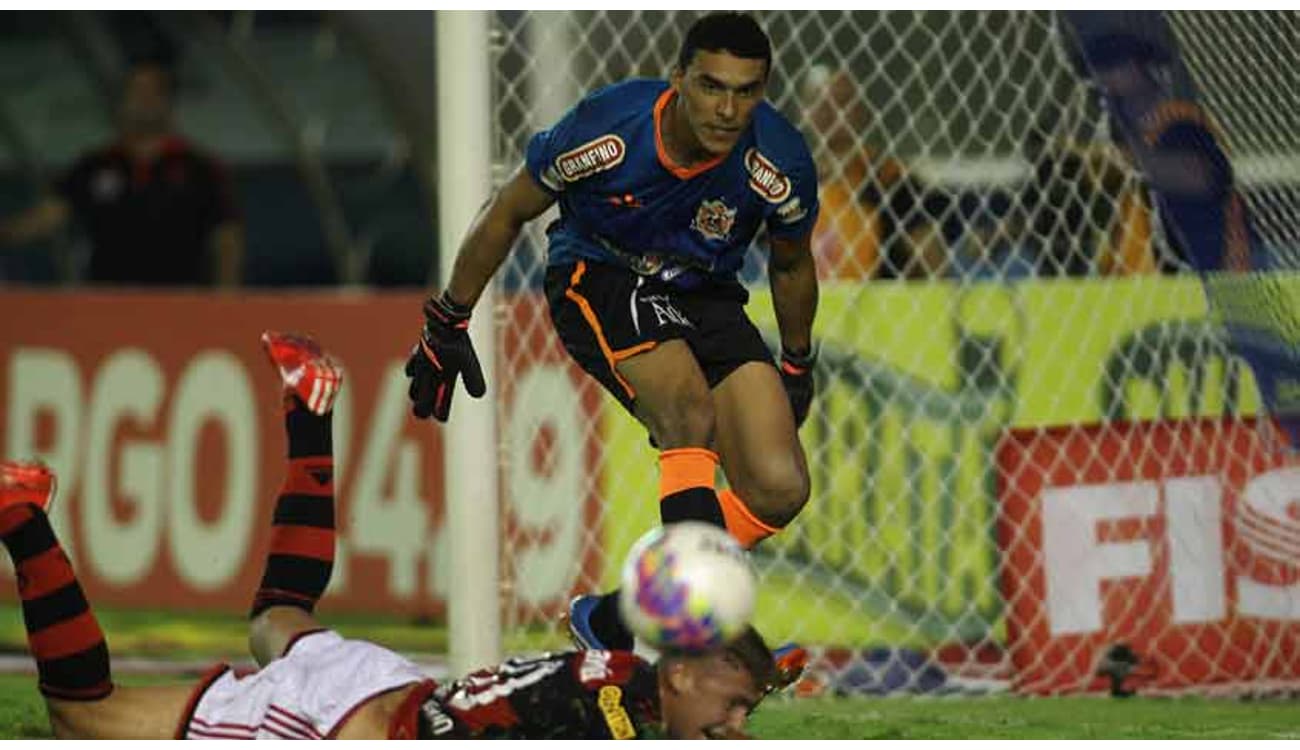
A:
665, 313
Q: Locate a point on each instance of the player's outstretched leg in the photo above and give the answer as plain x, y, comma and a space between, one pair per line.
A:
761, 454
674, 402
71, 655
63, 634
685, 494
301, 556
756, 436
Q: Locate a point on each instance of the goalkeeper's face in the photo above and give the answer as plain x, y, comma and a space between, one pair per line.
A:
718, 93
706, 697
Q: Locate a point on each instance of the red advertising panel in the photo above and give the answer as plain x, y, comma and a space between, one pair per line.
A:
551, 523
162, 418
1179, 539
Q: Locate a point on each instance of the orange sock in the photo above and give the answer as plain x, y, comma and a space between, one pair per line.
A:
742, 524
686, 486
684, 468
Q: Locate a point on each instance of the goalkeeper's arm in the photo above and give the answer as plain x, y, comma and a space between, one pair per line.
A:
492, 234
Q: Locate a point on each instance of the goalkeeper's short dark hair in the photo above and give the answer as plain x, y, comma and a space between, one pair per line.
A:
735, 33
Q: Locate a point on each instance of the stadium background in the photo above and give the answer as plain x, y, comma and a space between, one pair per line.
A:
901, 570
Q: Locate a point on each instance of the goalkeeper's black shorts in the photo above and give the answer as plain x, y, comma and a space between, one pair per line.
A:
605, 314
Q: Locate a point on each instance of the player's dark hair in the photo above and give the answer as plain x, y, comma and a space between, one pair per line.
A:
751, 652
734, 33
748, 652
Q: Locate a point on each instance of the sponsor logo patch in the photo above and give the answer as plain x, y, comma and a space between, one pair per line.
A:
439, 722
714, 220
765, 178
791, 211
609, 699
605, 152
595, 666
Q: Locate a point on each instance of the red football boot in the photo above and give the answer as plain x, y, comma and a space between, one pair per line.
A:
307, 371
27, 482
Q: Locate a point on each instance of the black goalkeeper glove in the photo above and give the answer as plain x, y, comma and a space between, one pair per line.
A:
797, 377
443, 352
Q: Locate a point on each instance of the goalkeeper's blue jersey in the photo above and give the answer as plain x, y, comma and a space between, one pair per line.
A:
624, 201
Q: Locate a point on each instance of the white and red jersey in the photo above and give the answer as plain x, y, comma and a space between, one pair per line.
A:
306, 694
323, 679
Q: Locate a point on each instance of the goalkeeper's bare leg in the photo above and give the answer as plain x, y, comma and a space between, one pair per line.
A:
747, 417
759, 449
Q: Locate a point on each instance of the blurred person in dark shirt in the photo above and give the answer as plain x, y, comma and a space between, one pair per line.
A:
158, 211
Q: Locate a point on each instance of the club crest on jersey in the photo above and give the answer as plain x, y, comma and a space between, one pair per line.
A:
714, 220
765, 178
605, 152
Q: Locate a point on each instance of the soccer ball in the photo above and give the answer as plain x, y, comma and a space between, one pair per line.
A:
687, 587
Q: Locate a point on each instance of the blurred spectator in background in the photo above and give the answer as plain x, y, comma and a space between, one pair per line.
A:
1082, 212
876, 220
158, 211
1128, 246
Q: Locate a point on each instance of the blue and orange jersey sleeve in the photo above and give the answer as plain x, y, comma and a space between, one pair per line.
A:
783, 145
601, 113
546, 146
796, 216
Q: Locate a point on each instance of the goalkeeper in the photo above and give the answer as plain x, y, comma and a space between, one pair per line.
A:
315, 684
662, 186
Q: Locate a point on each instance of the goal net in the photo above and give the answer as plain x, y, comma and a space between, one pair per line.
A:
1035, 463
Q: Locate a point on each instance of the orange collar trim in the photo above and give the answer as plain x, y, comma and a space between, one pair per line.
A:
683, 173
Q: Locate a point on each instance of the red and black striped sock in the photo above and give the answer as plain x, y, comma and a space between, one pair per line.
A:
302, 536
71, 655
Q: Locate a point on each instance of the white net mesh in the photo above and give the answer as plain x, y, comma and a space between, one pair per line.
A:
989, 264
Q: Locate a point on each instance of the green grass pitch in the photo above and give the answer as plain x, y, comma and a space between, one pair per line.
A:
173, 635
23, 716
